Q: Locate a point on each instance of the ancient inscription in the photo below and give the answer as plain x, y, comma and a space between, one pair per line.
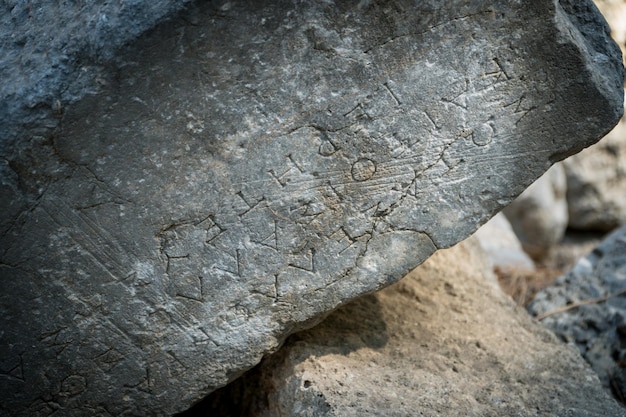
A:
108, 359
363, 169
483, 134
73, 385
13, 368
239, 176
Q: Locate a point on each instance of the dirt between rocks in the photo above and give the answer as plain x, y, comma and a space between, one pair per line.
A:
522, 284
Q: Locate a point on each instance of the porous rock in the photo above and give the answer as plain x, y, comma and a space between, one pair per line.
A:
250, 166
444, 341
597, 327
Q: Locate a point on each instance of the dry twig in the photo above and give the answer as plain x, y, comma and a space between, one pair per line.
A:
578, 304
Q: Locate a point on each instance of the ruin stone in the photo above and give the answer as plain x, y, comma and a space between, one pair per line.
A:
249, 166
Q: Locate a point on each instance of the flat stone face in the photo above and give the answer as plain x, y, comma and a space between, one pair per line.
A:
250, 166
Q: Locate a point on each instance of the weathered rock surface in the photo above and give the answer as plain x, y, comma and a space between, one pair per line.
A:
614, 12
444, 341
597, 329
539, 215
250, 166
50, 53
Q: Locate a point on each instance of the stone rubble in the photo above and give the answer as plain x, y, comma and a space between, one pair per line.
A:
597, 326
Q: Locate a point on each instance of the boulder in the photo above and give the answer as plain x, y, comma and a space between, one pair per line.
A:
614, 12
249, 166
444, 341
539, 214
596, 177
587, 308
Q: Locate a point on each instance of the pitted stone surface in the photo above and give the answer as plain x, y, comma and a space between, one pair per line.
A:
250, 166
597, 326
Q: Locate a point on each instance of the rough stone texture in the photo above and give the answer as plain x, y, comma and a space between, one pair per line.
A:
501, 244
252, 165
50, 53
614, 12
597, 329
539, 214
596, 183
596, 177
444, 341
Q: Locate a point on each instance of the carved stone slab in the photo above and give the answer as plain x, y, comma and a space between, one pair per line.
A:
250, 166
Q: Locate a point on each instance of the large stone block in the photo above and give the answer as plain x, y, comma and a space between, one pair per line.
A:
250, 166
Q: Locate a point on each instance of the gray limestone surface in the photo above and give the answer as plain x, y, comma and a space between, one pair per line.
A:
248, 167
445, 341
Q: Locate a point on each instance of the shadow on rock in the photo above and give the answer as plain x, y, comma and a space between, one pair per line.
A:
359, 324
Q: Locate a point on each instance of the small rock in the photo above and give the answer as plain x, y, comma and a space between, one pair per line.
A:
501, 244
539, 214
597, 287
